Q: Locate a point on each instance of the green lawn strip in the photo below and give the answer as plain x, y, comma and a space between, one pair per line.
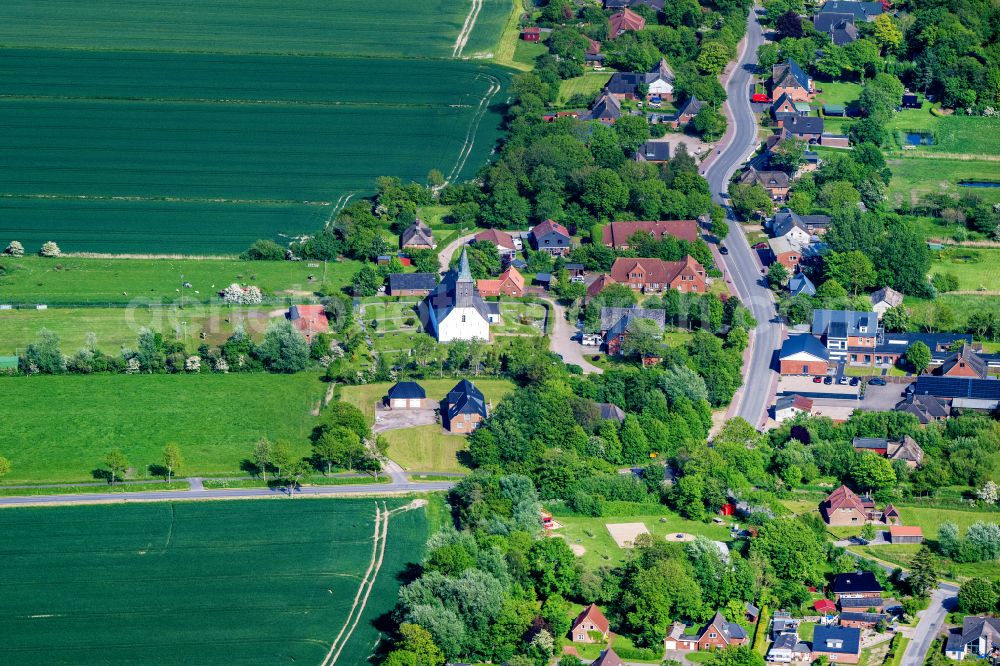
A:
102, 488
526, 52
593, 535
962, 305
590, 84
806, 630
628, 651
699, 657
435, 216
198, 560
115, 328
836, 93
428, 478
314, 480
899, 649
365, 396
119, 282
427, 449
59, 428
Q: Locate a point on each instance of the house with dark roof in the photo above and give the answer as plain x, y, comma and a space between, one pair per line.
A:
455, 310
977, 637
787, 648
687, 111
788, 224
848, 334
417, 235
885, 298
801, 284
788, 78
656, 152
464, 408
618, 323
857, 585
789, 406
926, 408
803, 355
716, 635
876, 445
618, 234
552, 237
624, 21
861, 11
804, 127
967, 392
862, 619
658, 83
597, 286
775, 182
964, 363
651, 275
605, 109
405, 395
838, 25
590, 626
411, 284
610, 412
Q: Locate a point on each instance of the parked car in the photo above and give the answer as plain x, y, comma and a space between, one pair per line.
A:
817, 380
842, 380
723, 249
761, 246
760, 97
828, 380
854, 381
578, 278
877, 381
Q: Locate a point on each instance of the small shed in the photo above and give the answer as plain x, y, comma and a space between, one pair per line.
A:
405, 395
543, 280
532, 34
911, 101
833, 110
574, 270
905, 534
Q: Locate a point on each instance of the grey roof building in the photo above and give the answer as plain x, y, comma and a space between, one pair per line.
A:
978, 636
411, 282
843, 323
417, 235
465, 398
862, 11
926, 408
610, 412
800, 284
605, 108
800, 126
653, 151
618, 320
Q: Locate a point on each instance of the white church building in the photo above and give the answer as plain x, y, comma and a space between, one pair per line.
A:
455, 310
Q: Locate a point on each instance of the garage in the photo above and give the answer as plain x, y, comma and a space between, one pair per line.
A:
405, 395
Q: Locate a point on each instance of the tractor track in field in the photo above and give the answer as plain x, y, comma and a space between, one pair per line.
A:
470, 136
467, 27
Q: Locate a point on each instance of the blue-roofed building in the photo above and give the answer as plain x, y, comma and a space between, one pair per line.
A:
838, 644
405, 395
861, 11
848, 334
800, 284
803, 355
788, 78
465, 407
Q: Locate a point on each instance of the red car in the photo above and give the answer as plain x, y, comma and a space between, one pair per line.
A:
760, 97
817, 380
761, 246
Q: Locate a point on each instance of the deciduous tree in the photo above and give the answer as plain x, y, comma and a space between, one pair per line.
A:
117, 463
172, 459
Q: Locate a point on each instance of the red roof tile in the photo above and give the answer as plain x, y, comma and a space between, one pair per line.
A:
617, 234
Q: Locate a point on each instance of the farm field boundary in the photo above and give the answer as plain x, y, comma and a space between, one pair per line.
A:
234, 582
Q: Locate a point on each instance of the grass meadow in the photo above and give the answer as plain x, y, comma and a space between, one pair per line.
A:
199, 582
427, 449
59, 428
119, 282
976, 268
115, 328
590, 84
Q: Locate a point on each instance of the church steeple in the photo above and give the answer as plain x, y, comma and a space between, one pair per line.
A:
464, 284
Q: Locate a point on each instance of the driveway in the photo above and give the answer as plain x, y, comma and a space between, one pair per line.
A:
561, 342
448, 251
943, 600
397, 419
881, 398
742, 266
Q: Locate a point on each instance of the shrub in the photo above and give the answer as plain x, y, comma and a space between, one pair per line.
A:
263, 250
15, 249
249, 295
50, 249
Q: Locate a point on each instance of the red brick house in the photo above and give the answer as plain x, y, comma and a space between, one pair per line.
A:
531, 34
803, 355
597, 286
617, 234
621, 22
964, 363
843, 507
787, 78
510, 283
308, 320
590, 621
717, 634
655, 275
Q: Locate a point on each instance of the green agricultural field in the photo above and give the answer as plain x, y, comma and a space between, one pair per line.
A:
364, 397
203, 582
423, 28
58, 429
427, 449
120, 282
115, 328
276, 154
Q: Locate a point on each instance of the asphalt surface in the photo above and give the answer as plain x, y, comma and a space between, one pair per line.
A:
446, 253
399, 485
561, 340
741, 264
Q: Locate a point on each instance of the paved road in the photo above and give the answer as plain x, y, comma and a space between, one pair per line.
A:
561, 342
741, 264
446, 253
943, 600
230, 493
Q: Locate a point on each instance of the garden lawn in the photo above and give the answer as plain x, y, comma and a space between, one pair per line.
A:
836, 93
961, 304
590, 84
427, 449
59, 428
526, 52
953, 135
200, 582
365, 396
975, 268
118, 327
593, 535
902, 554
117, 282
